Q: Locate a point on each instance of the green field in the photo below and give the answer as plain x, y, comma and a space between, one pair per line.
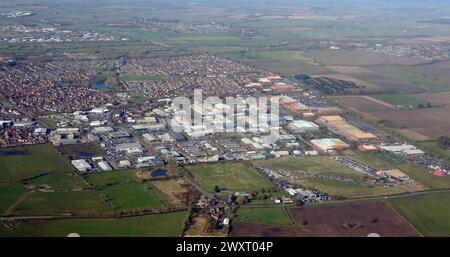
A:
42, 159
231, 176
285, 62
162, 225
59, 182
404, 100
10, 193
270, 216
105, 178
53, 203
130, 196
429, 213
411, 76
123, 191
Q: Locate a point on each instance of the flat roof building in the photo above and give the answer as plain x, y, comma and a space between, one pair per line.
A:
81, 165
303, 126
329, 144
104, 166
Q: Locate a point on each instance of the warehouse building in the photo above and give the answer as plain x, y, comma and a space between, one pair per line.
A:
82, 165
329, 144
302, 126
340, 126
104, 166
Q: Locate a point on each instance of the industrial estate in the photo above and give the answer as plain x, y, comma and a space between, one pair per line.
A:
88, 146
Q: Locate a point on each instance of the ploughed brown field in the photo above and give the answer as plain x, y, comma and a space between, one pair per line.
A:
351, 220
431, 122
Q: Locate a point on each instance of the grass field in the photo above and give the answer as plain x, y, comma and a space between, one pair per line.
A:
429, 213
59, 182
412, 76
285, 62
10, 193
41, 159
162, 225
105, 178
131, 196
40, 203
402, 99
231, 176
123, 191
269, 216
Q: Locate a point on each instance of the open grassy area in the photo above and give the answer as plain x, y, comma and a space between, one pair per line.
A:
402, 99
412, 76
58, 182
169, 224
36, 160
231, 176
81, 202
123, 191
130, 196
285, 62
429, 213
105, 178
269, 216
10, 193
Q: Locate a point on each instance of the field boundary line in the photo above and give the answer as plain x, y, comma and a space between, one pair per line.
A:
404, 218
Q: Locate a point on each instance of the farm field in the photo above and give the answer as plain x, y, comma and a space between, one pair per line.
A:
269, 216
58, 182
10, 193
131, 196
30, 161
413, 76
353, 219
286, 62
54, 203
122, 191
430, 122
357, 58
114, 177
430, 213
163, 225
230, 176
347, 219
400, 99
